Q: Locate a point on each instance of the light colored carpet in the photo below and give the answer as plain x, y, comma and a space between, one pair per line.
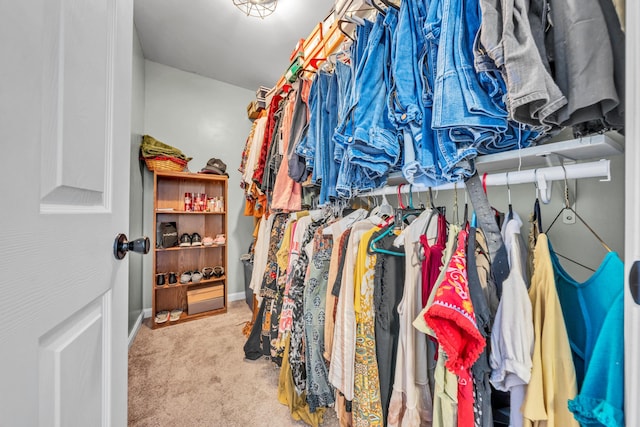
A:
194, 374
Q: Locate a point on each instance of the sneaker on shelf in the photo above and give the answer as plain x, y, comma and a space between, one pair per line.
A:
219, 240
207, 241
185, 277
196, 276
196, 240
185, 240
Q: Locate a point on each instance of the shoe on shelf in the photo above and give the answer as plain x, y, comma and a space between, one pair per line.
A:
196, 276
175, 314
185, 277
207, 272
185, 240
196, 240
207, 241
219, 240
162, 316
218, 271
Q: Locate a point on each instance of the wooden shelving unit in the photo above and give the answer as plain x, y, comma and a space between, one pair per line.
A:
210, 294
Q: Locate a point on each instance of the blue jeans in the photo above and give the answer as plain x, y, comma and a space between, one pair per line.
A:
368, 138
328, 174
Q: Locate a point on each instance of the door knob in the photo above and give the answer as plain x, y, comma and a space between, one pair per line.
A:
634, 282
121, 246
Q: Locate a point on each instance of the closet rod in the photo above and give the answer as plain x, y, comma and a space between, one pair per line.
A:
597, 169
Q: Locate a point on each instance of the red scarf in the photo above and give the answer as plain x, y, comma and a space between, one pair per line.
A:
453, 320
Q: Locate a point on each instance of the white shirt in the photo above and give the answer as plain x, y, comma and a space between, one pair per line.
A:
512, 336
343, 353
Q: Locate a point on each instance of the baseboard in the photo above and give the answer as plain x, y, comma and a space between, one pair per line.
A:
237, 296
146, 313
136, 327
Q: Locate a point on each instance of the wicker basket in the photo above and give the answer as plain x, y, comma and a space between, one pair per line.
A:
165, 164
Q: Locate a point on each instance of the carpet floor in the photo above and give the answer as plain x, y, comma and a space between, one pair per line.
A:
195, 374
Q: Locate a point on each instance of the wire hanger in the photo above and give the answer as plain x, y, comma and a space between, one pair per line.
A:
567, 206
510, 214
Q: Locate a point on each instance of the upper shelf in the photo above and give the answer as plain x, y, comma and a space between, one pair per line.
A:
593, 147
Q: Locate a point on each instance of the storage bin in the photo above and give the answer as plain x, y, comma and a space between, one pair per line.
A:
205, 299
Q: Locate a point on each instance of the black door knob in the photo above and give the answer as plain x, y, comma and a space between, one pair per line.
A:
121, 246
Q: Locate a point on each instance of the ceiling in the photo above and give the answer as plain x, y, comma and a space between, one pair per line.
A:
215, 39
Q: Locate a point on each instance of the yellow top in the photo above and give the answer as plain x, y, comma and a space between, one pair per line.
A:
553, 376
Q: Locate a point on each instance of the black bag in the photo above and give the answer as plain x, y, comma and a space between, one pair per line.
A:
167, 235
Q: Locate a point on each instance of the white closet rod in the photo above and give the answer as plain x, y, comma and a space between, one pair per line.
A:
598, 169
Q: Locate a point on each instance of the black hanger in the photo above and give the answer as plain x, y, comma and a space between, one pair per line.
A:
375, 5
389, 4
340, 22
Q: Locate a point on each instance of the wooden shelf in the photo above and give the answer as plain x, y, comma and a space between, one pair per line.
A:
162, 211
185, 317
186, 285
186, 248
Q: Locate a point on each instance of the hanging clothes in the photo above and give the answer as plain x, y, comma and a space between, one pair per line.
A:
553, 377
319, 392
287, 194
411, 403
445, 388
367, 405
389, 279
481, 291
341, 368
296, 293
287, 394
601, 398
512, 337
587, 306
453, 320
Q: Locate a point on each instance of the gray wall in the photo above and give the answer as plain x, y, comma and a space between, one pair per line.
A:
204, 118
135, 192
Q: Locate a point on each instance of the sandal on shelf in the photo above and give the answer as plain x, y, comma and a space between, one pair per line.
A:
207, 241
196, 276
219, 240
218, 271
162, 316
207, 272
175, 314
185, 277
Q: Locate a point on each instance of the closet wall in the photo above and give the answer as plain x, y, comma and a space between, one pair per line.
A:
204, 118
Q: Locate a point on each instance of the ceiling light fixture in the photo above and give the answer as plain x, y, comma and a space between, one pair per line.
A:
257, 8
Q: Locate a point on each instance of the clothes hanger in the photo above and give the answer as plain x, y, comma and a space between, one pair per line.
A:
384, 209
510, 214
567, 206
376, 6
389, 4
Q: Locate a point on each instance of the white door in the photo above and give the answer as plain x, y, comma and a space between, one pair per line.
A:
65, 88
632, 218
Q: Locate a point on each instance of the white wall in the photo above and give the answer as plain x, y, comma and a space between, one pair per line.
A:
204, 118
136, 217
